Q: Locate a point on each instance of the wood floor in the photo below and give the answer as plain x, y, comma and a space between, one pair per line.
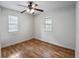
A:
36, 49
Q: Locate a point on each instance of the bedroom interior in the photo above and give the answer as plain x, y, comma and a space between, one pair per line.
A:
39, 29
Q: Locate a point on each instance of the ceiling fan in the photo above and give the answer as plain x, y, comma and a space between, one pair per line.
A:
31, 8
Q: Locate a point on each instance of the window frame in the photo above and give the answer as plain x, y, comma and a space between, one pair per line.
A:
14, 24
49, 25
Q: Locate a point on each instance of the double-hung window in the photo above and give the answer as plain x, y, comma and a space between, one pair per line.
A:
12, 23
48, 24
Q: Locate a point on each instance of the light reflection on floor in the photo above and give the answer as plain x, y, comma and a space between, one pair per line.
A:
16, 55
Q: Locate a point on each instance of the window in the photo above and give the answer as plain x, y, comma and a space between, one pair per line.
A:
13, 23
48, 24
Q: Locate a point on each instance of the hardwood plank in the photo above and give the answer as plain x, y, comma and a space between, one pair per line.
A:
35, 48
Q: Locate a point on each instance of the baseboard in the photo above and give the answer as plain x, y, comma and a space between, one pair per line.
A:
37, 39
55, 44
16, 42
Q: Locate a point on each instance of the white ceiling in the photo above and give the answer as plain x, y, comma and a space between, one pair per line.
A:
45, 5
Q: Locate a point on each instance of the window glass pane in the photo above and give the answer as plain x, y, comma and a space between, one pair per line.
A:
48, 22
12, 26
13, 19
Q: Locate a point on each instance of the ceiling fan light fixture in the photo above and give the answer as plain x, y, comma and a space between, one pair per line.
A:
31, 8
33, 5
32, 11
28, 10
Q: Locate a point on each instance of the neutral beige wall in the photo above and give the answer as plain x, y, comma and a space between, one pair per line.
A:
25, 28
63, 33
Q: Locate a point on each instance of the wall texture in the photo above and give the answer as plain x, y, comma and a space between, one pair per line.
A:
77, 30
63, 33
25, 27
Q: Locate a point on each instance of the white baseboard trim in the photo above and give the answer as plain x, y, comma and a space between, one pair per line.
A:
16, 42
35, 38
55, 43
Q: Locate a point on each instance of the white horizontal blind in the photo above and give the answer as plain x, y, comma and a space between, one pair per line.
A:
48, 24
13, 23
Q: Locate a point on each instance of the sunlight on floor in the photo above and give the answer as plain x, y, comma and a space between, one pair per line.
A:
16, 55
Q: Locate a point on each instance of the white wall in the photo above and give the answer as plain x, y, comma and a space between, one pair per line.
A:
25, 28
77, 30
0, 32
63, 30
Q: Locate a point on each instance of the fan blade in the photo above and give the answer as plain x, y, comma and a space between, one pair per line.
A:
39, 10
23, 11
21, 5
